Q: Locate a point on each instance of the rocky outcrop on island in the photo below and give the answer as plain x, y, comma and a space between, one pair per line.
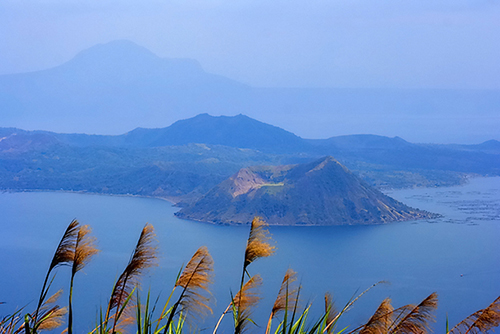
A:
323, 192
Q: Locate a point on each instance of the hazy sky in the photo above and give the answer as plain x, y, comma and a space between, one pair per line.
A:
335, 43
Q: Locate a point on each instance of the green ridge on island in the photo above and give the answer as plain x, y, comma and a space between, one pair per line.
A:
323, 192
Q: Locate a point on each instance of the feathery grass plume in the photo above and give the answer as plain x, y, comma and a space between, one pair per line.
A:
244, 302
125, 316
381, 320
64, 255
248, 297
194, 280
197, 274
53, 319
257, 244
125, 319
51, 316
481, 321
84, 250
257, 247
416, 318
330, 311
287, 297
143, 257
51, 300
65, 250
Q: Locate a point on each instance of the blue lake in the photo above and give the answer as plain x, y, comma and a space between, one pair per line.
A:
458, 256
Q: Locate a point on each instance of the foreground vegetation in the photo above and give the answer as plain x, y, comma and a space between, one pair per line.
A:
189, 300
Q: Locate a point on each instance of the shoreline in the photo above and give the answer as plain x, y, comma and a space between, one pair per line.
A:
438, 216
83, 192
197, 220
173, 203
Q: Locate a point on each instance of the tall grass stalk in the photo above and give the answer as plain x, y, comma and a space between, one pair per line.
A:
64, 254
258, 246
166, 311
85, 249
244, 301
287, 298
194, 280
143, 257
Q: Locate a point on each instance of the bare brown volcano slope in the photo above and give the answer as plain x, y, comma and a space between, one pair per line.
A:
323, 192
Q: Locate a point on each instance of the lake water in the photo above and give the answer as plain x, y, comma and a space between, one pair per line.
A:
458, 256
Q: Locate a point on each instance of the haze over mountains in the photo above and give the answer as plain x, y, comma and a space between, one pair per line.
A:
115, 87
112, 88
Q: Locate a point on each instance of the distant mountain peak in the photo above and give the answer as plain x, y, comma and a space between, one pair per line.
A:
235, 131
319, 193
235, 118
123, 45
367, 141
118, 50
123, 61
491, 143
325, 163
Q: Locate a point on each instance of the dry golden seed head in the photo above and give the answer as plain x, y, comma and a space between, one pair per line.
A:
127, 318
258, 242
481, 321
328, 301
52, 299
85, 248
287, 295
249, 296
143, 257
198, 271
145, 251
417, 318
330, 308
65, 251
195, 279
381, 320
245, 300
53, 319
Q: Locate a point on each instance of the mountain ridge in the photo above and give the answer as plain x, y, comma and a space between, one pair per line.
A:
362, 153
235, 131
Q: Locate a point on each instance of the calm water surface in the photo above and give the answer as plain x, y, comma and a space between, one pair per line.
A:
457, 256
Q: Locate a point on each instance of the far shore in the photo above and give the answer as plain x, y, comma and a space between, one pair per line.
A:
83, 192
